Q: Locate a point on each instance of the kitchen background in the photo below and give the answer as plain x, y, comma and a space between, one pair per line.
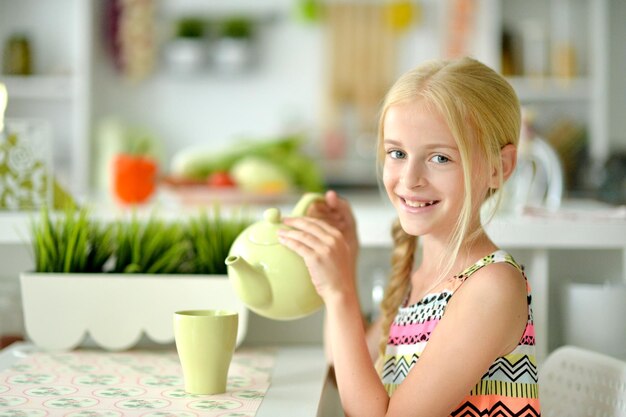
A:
564, 56
193, 77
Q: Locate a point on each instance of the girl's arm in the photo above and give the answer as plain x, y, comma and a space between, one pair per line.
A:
337, 212
360, 388
484, 320
328, 257
373, 333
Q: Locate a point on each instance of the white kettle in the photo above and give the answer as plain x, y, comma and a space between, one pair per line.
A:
538, 177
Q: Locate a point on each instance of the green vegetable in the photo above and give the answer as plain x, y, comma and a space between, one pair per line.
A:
253, 173
304, 172
285, 153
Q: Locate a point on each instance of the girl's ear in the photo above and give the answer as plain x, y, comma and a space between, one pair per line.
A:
508, 157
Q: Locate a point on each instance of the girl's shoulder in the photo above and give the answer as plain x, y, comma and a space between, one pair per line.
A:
497, 257
500, 264
496, 276
495, 296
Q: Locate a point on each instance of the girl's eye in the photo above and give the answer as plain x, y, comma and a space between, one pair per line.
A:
396, 154
440, 159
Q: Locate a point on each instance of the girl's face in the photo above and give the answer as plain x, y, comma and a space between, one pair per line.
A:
422, 170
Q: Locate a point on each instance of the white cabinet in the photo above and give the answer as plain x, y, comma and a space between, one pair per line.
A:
59, 33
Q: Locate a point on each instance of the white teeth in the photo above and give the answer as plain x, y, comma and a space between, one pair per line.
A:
417, 204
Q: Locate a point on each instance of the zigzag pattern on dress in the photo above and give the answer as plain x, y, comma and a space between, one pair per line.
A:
523, 369
499, 409
528, 340
414, 315
396, 368
409, 339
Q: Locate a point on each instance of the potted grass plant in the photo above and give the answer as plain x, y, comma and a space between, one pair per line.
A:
187, 51
234, 50
118, 280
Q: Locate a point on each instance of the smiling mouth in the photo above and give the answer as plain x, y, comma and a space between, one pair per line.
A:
419, 204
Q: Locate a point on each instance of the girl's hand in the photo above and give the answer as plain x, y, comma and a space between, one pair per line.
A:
337, 212
325, 251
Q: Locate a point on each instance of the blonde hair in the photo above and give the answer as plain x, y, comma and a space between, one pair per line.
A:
482, 112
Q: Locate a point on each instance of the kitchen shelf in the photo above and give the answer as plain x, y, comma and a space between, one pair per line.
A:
586, 32
61, 34
40, 87
550, 89
218, 7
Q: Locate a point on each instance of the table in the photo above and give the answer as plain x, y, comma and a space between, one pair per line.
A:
297, 379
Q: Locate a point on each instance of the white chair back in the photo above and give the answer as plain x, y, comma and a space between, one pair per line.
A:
575, 382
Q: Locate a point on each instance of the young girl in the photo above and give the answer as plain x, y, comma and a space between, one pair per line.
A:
458, 331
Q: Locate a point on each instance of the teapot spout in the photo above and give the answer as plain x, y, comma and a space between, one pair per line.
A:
250, 283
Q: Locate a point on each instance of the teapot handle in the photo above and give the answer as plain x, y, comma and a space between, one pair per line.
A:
305, 201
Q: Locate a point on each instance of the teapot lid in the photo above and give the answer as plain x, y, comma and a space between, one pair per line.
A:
264, 231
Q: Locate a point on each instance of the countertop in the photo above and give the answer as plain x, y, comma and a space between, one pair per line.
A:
297, 381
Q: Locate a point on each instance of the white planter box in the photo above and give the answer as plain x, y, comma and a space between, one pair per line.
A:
116, 309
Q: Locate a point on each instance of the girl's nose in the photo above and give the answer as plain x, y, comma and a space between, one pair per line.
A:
414, 175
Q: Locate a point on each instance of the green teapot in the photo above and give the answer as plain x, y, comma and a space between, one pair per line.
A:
271, 279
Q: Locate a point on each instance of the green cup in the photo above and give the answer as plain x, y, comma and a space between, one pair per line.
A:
205, 341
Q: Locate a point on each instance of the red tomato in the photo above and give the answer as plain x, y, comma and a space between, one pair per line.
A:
220, 179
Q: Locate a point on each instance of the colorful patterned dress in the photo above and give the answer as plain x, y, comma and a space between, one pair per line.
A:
508, 388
